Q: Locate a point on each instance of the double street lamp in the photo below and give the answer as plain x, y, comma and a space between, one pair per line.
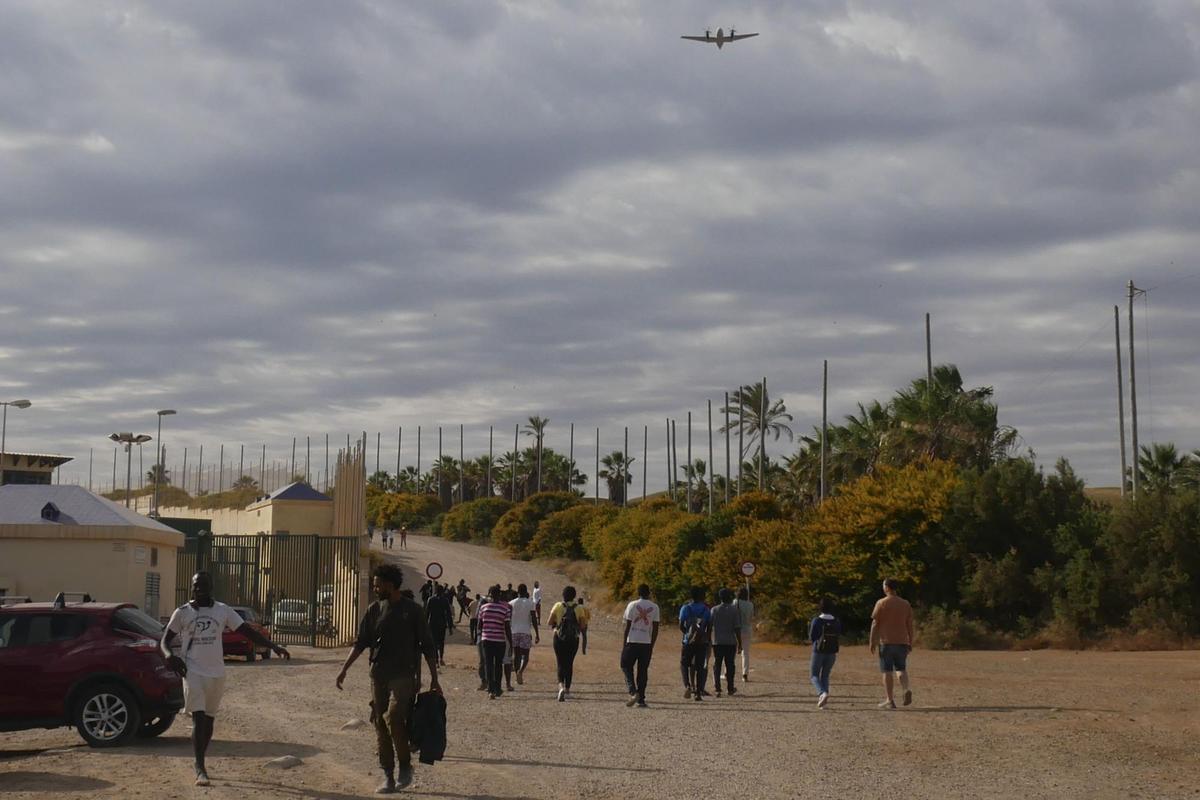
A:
4, 429
129, 440
158, 471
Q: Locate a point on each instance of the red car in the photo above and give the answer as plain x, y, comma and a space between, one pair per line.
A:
92, 665
235, 644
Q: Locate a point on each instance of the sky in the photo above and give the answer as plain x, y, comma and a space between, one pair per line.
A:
292, 220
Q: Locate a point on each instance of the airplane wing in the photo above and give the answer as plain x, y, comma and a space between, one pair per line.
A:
700, 38
739, 36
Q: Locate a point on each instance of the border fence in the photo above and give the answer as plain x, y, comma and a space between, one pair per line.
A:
304, 588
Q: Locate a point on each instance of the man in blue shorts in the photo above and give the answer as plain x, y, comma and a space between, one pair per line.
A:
892, 635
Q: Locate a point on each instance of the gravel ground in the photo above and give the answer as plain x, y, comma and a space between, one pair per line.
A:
1048, 724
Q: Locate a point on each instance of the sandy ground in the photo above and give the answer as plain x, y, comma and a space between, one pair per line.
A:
987, 725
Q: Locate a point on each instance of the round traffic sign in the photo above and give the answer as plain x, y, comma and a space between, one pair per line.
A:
433, 571
748, 568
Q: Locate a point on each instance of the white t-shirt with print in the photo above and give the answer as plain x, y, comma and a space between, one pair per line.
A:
641, 616
537, 594
199, 630
522, 607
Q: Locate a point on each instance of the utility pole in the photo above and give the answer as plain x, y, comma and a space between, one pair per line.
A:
89, 469
399, 442
462, 481
1120, 394
625, 471
597, 501
262, 466
727, 473
674, 461
418, 459
762, 438
491, 450
824, 421
711, 464
645, 457
688, 470
293, 472
571, 460
670, 484
1133, 292
515, 459
741, 434
928, 361
241, 462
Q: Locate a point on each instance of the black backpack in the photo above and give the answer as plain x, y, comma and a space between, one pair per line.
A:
827, 642
568, 626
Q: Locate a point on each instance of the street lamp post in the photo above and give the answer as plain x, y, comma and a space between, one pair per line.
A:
4, 429
158, 471
129, 440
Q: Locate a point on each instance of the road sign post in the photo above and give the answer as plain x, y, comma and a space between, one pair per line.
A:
747, 569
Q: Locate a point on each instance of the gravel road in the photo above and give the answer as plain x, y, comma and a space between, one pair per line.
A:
1047, 724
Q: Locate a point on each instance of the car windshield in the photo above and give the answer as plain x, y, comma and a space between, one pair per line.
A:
135, 621
293, 605
247, 614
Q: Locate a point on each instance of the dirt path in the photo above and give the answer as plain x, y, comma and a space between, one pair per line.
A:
987, 725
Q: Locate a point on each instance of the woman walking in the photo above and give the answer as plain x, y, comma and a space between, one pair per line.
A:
495, 631
569, 621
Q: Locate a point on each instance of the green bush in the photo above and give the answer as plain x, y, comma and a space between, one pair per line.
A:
516, 529
560, 535
474, 520
940, 629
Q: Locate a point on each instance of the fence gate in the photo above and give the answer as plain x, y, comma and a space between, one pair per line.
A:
304, 588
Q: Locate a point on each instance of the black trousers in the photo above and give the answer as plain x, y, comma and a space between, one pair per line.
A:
693, 664
493, 664
439, 641
723, 656
564, 654
636, 654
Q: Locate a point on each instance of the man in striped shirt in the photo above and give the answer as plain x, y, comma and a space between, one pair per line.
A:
495, 631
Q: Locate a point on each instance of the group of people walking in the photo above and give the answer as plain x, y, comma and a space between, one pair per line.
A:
507, 623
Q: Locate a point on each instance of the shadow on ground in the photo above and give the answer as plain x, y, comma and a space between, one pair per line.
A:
51, 782
181, 747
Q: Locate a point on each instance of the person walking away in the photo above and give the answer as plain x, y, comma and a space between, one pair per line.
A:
462, 592
641, 632
495, 631
824, 632
199, 624
403, 537
726, 640
524, 631
440, 617
473, 617
892, 634
537, 601
694, 621
426, 592
395, 632
746, 612
569, 621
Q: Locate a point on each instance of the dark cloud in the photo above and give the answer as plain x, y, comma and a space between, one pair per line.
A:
361, 215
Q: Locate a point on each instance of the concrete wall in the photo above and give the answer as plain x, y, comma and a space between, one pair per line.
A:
226, 521
110, 564
298, 517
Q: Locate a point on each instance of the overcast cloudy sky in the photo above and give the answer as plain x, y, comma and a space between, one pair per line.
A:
296, 218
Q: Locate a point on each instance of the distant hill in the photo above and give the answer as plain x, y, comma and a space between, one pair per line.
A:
1109, 495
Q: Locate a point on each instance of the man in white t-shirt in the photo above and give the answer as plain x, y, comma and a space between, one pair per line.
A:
537, 601
641, 632
524, 630
199, 626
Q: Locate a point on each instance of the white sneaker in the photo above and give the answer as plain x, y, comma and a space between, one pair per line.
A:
822, 699
562, 694
887, 704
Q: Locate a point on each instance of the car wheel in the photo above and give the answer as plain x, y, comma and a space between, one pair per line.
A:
107, 715
156, 726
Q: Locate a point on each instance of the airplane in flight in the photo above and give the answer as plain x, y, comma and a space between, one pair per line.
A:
721, 38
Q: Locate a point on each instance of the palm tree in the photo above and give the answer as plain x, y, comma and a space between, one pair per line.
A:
163, 474
615, 471
382, 480
407, 480
1162, 468
507, 465
696, 472
245, 483
945, 420
1189, 473
537, 428
745, 406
